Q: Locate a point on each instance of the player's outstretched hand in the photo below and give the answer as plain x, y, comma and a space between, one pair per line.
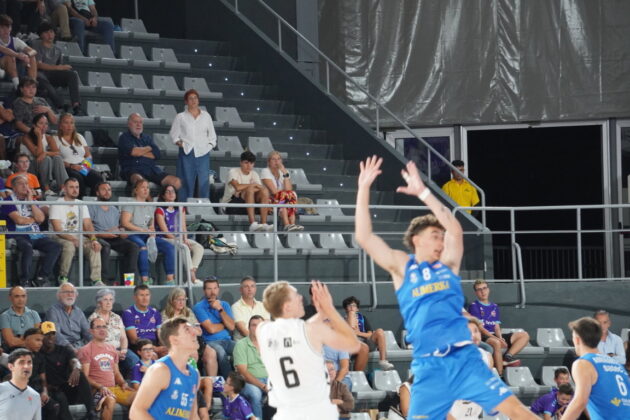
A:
414, 183
322, 300
370, 169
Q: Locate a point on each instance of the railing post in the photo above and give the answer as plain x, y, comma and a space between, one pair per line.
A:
81, 216
275, 244
579, 242
378, 120
429, 164
179, 241
279, 34
135, 6
327, 77
236, 6
513, 242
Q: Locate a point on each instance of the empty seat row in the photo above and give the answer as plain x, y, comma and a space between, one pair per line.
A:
134, 29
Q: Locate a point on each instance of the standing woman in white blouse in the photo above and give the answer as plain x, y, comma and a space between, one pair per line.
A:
193, 132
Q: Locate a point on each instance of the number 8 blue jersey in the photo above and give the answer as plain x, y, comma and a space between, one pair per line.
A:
609, 398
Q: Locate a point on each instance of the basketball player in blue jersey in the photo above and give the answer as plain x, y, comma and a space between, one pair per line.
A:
601, 383
446, 365
169, 387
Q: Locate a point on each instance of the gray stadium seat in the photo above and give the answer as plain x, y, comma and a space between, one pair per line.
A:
361, 388
168, 58
393, 349
128, 108
553, 339
164, 112
208, 213
228, 117
164, 142
229, 146
304, 243
73, 52
89, 138
135, 29
136, 57
125, 199
386, 380
529, 349
200, 85
104, 83
300, 182
265, 241
624, 334
360, 416
105, 55
136, 83
104, 113
334, 214
522, 378
261, 147
168, 85
240, 239
336, 244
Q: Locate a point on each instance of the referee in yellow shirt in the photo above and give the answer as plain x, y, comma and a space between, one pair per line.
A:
459, 189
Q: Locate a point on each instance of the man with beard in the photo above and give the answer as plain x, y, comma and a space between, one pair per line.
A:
73, 328
16, 397
64, 220
105, 219
65, 382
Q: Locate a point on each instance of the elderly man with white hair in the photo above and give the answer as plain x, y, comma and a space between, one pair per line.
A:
73, 329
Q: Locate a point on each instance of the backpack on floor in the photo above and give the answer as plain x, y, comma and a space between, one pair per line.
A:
215, 242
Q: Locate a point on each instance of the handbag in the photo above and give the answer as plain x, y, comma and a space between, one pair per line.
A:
152, 249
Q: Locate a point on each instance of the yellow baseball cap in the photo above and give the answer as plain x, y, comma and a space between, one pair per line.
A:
47, 327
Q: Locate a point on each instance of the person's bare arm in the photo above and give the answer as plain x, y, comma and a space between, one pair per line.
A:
389, 259
241, 328
155, 380
56, 223
271, 186
585, 376
132, 336
141, 151
405, 399
454, 236
10, 339
344, 368
249, 378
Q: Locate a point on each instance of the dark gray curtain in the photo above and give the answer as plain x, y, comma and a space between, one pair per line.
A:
479, 61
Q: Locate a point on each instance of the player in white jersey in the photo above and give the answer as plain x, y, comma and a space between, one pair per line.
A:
291, 350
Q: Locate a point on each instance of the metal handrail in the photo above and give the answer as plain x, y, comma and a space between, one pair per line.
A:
521, 276
329, 62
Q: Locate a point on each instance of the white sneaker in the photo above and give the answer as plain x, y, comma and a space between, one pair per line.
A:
2, 74
385, 365
292, 228
256, 227
268, 228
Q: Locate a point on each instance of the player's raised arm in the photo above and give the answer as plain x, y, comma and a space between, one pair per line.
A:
454, 236
155, 381
583, 373
389, 259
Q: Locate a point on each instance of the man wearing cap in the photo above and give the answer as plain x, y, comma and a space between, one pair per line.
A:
73, 328
460, 190
17, 319
65, 381
19, 399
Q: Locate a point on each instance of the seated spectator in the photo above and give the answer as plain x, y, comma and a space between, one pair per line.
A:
22, 166
116, 335
69, 319
278, 181
52, 72
193, 132
76, 153
138, 155
42, 150
65, 381
84, 16
176, 307
488, 313
217, 321
243, 185
106, 220
99, 362
341, 359
235, 407
146, 356
65, 220
33, 339
17, 319
13, 49
57, 14
142, 320
250, 366
340, 395
460, 190
554, 403
404, 393
610, 344
246, 307
168, 219
138, 220
28, 218
12, 8
19, 399
363, 330
27, 106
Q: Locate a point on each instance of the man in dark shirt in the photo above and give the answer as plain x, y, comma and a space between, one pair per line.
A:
137, 155
33, 339
65, 382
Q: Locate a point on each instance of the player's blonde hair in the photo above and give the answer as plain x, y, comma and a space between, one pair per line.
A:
417, 225
275, 296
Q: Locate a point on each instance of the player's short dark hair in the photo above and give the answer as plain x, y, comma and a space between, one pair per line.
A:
350, 300
457, 162
248, 278
588, 329
170, 328
478, 282
31, 331
248, 156
565, 389
44, 27
141, 343
5, 20
140, 287
417, 225
211, 279
254, 318
17, 353
560, 371
238, 382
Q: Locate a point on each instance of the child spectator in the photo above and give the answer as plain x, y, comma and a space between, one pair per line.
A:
13, 49
145, 351
553, 403
235, 407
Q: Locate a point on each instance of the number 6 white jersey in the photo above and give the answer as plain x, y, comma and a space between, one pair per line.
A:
296, 371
